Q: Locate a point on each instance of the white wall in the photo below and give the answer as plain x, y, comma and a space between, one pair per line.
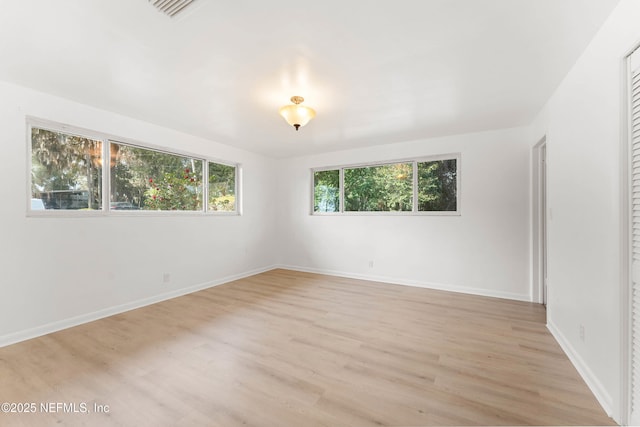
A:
582, 125
485, 250
55, 272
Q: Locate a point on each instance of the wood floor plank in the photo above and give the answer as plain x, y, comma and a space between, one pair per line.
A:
287, 348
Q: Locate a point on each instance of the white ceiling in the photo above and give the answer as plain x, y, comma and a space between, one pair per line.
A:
376, 72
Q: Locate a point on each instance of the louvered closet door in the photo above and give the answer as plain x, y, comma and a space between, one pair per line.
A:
635, 273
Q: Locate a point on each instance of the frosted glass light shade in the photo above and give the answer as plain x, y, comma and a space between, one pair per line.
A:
297, 115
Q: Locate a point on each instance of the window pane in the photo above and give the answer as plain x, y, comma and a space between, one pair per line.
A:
326, 191
66, 171
437, 185
379, 188
153, 180
222, 187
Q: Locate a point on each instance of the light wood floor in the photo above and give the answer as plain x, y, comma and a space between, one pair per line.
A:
294, 349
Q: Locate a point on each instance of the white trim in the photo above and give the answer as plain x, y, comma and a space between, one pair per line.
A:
389, 213
106, 176
62, 213
537, 218
414, 185
312, 199
28, 158
239, 192
205, 185
626, 241
413, 283
598, 390
340, 192
70, 322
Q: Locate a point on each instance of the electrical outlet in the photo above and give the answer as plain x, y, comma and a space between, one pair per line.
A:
370, 264
582, 332
166, 278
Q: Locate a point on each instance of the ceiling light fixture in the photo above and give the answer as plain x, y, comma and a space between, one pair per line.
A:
295, 114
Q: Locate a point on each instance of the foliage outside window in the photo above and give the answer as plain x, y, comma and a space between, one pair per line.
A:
222, 187
393, 187
378, 188
326, 191
66, 174
437, 186
143, 179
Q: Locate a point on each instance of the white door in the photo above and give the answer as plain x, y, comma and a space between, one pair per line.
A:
634, 108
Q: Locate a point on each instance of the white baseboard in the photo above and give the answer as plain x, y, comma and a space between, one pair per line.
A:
48, 328
587, 375
414, 283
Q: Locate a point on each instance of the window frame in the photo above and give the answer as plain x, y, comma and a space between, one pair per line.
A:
414, 161
106, 140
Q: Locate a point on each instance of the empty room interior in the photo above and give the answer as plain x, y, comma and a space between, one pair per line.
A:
336, 213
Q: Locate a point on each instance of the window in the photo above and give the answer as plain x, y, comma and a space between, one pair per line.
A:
222, 187
66, 171
378, 188
153, 180
438, 186
67, 174
326, 191
428, 186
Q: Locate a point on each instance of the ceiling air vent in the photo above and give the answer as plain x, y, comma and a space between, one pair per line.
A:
171, 7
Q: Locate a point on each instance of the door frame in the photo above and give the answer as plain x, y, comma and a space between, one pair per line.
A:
539, 221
